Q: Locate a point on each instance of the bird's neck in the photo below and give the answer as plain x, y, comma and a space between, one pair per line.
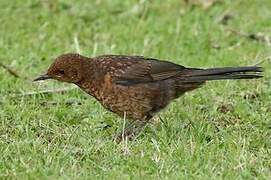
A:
90, 81
89, 87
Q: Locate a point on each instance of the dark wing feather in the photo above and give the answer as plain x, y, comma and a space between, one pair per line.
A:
137, 69
161, 70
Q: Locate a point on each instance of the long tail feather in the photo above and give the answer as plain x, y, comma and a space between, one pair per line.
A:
200, 75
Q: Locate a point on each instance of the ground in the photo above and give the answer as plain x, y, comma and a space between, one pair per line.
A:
219, 131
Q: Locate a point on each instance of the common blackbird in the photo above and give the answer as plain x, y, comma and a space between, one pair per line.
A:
135, 86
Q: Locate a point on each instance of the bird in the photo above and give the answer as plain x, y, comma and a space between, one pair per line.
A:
137, 87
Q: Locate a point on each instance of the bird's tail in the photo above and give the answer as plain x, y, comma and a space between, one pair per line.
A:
201, 75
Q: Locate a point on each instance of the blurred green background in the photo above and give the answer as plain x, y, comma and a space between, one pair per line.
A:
219, 131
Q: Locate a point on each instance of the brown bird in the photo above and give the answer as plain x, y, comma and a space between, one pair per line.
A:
134, 86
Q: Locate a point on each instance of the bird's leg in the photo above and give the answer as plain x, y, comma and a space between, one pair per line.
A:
126, 132
131, 131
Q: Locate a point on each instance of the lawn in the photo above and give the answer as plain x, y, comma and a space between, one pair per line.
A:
221, 131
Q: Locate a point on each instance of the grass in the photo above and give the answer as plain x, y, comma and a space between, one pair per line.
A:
221, 131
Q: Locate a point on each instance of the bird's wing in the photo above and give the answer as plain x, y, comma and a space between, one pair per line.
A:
128, 70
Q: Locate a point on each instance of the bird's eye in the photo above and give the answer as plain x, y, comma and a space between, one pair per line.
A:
61, 71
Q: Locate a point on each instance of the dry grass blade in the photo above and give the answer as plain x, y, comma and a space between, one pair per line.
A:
205, 4
11, 71
260, 37
45, 92
265, 59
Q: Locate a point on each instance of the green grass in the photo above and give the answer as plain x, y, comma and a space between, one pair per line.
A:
222, 130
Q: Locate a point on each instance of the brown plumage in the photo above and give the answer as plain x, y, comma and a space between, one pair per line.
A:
137, 86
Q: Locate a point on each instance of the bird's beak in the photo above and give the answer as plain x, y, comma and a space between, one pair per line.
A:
42, 77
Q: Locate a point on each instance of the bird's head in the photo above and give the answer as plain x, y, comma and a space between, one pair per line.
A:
66, 68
